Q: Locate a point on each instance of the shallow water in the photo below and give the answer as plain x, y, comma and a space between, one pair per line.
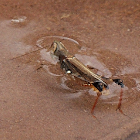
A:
90, 60
45, 103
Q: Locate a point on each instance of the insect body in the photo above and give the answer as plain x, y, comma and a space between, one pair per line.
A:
72, 65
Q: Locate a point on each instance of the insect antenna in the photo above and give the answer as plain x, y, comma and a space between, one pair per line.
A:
26, 53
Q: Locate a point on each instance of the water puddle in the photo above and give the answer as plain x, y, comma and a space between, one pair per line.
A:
86, 56
12, 32
89, 57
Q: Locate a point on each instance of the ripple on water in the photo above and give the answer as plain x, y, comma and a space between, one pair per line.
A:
89, 59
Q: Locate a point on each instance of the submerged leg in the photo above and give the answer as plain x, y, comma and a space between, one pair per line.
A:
120, 103
92, 110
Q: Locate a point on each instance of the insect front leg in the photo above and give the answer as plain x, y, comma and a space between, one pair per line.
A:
41, 64
119, 82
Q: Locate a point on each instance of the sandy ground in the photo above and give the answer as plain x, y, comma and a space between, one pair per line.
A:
33, 103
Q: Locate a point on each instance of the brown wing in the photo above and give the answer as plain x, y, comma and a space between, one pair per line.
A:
79, 70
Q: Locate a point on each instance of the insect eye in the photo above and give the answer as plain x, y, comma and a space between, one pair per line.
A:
100, 84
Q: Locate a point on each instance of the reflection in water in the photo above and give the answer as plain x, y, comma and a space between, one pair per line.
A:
60, 38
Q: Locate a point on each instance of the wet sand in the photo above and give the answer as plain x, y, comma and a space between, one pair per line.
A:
46, 103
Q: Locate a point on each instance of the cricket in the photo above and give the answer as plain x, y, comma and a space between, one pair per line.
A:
71, 65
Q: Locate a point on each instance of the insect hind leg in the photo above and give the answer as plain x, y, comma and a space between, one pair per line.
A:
120, 82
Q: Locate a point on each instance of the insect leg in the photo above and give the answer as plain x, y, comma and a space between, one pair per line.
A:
90, 67
41, 65
120, 102
94, 105
97, 87
119, 82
